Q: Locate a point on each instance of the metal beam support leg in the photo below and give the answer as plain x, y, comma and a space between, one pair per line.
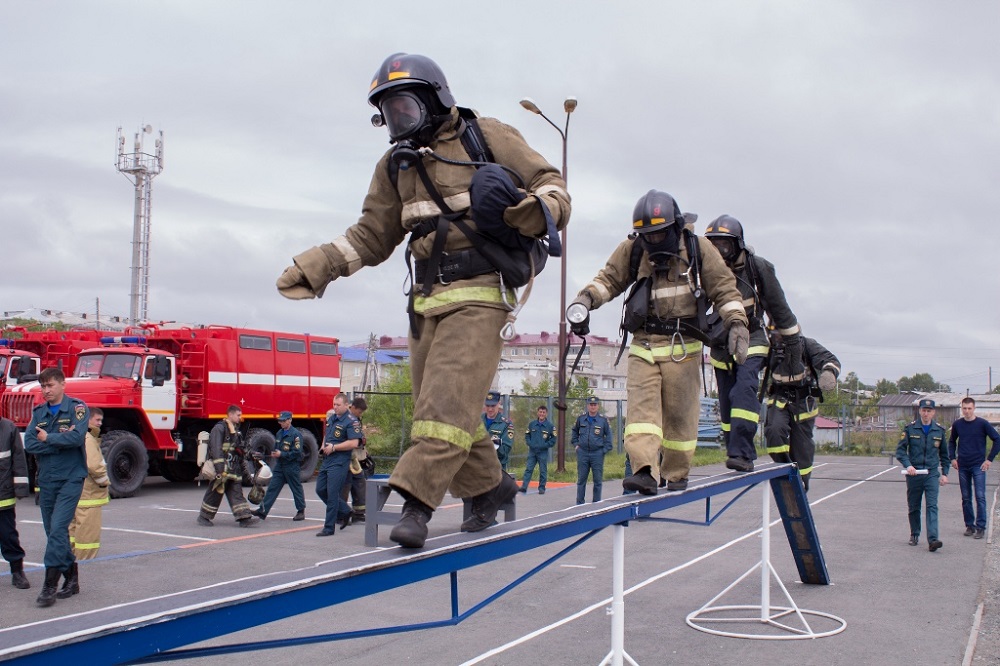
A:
617, 610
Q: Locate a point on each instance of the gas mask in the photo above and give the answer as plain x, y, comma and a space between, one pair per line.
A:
661, 244
728, 247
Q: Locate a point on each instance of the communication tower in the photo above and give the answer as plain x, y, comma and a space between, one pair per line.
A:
140, 168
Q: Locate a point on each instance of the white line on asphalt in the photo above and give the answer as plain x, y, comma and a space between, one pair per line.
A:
122, 529
576, 566
680, 567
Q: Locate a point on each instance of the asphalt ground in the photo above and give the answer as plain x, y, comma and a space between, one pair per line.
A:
902, 604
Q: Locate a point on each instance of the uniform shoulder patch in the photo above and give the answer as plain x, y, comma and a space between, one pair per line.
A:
80, 410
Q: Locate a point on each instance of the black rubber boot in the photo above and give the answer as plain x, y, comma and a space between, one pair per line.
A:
641, 482
17, 577
411, 530
72, 584
47, 597
486, 506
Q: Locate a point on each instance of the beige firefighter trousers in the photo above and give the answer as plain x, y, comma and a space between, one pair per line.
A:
85, 529
663, 408
452, 364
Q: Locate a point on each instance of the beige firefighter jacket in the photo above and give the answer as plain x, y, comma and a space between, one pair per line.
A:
95, 486
672, 294
389, 213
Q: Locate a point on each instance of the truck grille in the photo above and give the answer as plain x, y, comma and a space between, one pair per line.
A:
17, 408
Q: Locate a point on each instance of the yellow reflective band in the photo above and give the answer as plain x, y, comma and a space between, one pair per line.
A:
443, 431
721, 365
653, 221
461, 295
777, 449
666, 352
398, 75
725, 427
679, 446
87, 546
808, 415
776, 402
8, 502
744, 414
758, 350
93, 502
807, 470
643, 429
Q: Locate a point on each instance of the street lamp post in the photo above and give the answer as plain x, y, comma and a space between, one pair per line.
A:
568, 106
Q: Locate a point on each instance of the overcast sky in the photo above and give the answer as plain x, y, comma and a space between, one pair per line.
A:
858, 142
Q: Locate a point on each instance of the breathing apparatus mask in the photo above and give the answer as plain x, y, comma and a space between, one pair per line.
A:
412, 117
729, 248
661, 244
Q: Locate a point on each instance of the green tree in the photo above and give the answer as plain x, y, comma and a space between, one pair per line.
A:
996, 389
921, 381
886, 387
390, 413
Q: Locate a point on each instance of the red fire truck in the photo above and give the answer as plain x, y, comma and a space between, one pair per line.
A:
16, 365
160, 390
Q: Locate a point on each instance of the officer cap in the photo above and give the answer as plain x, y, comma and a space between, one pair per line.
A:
926, 403
493, 398
285, 416
593, 400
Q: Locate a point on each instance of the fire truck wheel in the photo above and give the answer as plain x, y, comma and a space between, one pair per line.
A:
310, 455
127, 462
258, 441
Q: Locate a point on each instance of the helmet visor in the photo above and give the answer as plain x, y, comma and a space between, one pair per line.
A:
404, 114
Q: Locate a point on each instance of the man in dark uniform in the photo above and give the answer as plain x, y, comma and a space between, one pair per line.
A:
55, 437
923, 451
792, 407
739, 406
225, 450
456, 314
13, 485
287, 453
592, 441
354, 486
343, 433
540, 437
498, 428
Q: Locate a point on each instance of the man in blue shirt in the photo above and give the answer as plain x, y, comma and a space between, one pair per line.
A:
343, 434
540, 437
287, 455
923, 452
967, 450
56, 437
592, 441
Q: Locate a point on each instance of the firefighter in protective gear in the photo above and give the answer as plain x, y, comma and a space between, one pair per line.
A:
85, 530
454, 342
792, 407
13, 485
739, 405
664, 356
225, 450
55, 436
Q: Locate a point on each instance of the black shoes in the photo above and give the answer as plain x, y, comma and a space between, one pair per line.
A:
344, 521
969, 531
523, 489
259, 513
47, 597
301, 515
411, 530
641, 482
914, 540
72, 584
681, 484
324, 533
203, 521
739, 464
358, 517
979, 534
541, 491
486, 506
248, 522
17, 577
933, 544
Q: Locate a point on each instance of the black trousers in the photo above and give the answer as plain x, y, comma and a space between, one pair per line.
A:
10, 543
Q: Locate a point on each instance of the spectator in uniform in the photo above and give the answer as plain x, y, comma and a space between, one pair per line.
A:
287, 455
592, 441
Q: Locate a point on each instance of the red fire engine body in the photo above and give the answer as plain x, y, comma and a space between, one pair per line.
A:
16, 364
159, 391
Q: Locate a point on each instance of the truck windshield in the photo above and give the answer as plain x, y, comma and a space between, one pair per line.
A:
3, 366
108, 365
